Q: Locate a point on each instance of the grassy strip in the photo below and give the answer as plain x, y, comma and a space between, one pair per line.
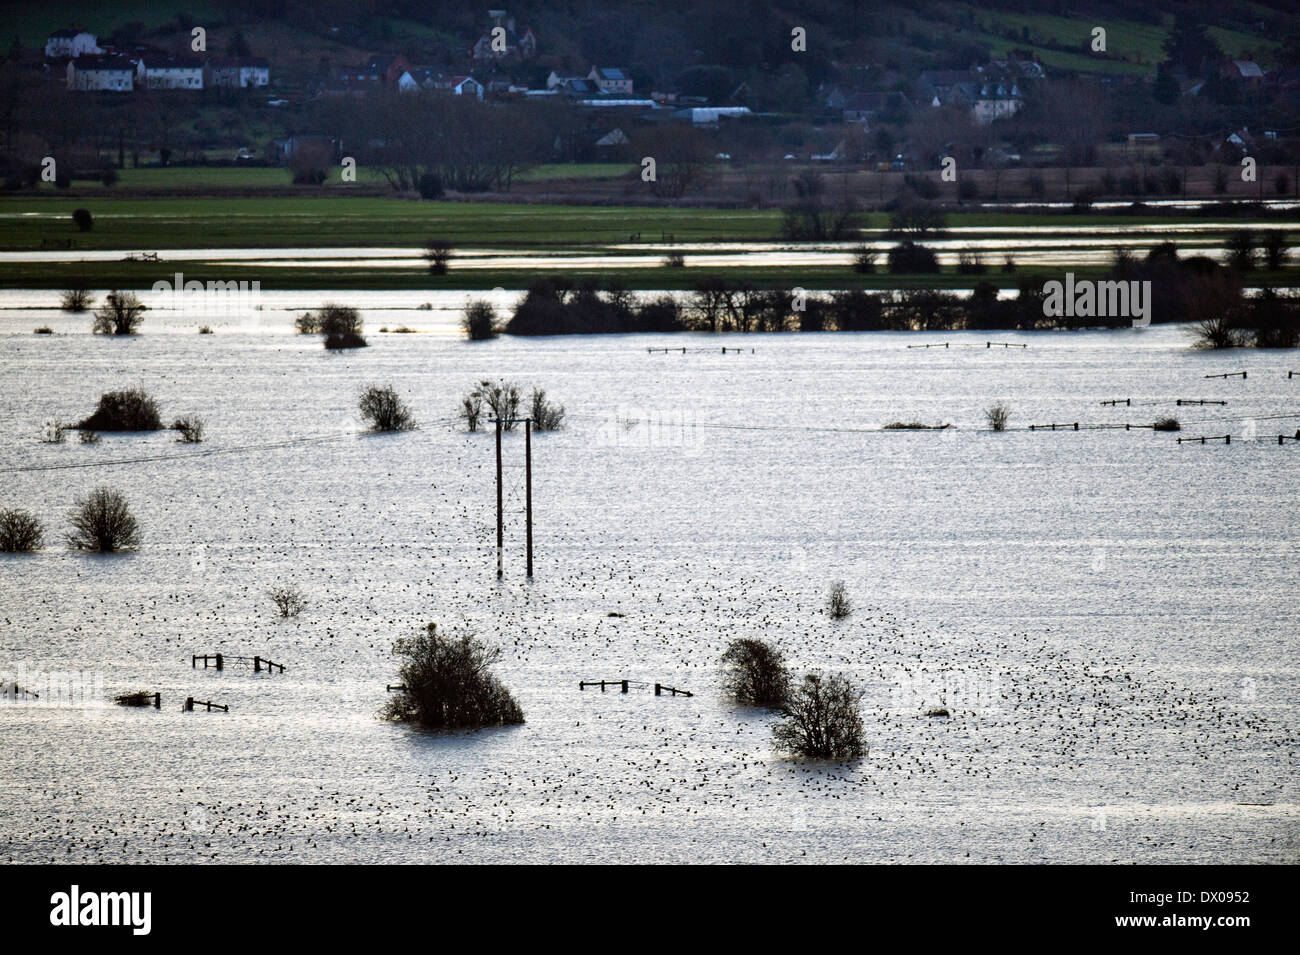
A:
150, 224
142, 275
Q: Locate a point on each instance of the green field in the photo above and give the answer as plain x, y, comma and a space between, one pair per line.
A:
274, 222
234, 178
151, 224
1131, 47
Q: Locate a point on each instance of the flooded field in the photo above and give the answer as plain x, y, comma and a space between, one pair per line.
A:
1107, 615
1048, 245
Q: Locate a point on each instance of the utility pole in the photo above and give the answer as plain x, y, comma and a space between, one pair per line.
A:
500, 522
528, 485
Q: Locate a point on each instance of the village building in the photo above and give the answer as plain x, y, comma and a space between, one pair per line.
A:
238, 73
168, 72
71, 43
111, 73
611, 79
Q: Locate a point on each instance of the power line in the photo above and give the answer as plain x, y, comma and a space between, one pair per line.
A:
206, 452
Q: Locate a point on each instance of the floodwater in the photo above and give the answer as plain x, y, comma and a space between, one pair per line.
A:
1107, 615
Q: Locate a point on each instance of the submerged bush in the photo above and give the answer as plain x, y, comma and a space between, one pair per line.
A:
19, 531
120, 314
864, 259
446, 683
189, 428
755, 673
471, 409
838, 605
437, 252
75, 300
910, 257
289, 600
502, 397
546, 415
998, 415
479, 322
820, 719
101, 521
385, 410
132, 409
1167, 424
339, 340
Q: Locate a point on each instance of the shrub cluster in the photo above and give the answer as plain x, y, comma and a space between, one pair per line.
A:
446, 683
101, 521
820, 716
132, 409
384, 410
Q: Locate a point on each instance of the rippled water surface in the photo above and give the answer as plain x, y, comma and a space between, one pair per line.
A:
1108, 616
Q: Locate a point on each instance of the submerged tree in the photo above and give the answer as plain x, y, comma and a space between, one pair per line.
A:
102, 522
289, 599
998, 415
446, 683
19, 531
838, 605
385, 410
479, 322
120, 314
755, 673
821, 720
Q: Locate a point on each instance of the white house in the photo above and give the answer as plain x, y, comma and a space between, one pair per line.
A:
167, 72
113, 73
995, 101
461, 86
611, 79
71, 43
238, 73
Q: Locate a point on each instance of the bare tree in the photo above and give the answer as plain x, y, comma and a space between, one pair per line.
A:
471, 409
821, 720
546, 415
755, 673
447, 683
101, 521
76, 300
120, 314
838, 605
502, 397
289, 600
19, 531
